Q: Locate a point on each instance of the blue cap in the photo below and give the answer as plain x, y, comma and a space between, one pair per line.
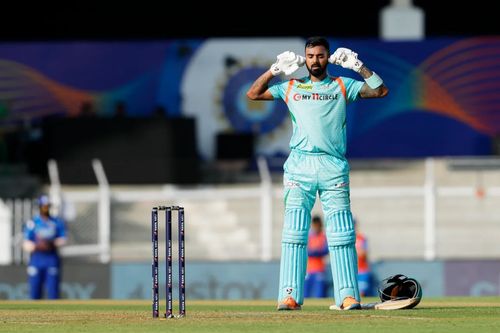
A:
43, 200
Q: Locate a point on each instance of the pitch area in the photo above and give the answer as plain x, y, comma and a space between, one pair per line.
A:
455, 315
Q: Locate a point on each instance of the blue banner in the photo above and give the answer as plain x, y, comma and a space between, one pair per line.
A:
443, 92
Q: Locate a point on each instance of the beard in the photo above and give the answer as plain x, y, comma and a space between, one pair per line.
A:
316, 71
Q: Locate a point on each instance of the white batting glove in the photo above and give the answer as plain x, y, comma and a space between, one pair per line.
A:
300, 60
287, 63
346, 58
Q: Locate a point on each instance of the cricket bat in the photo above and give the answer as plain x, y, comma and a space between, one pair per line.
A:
398, 304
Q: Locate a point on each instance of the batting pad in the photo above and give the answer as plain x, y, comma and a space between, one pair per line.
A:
343, 258
294, 254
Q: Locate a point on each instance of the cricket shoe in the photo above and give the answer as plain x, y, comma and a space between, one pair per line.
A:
289, 304
350, 303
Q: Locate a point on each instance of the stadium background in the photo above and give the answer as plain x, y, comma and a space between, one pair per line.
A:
144, 58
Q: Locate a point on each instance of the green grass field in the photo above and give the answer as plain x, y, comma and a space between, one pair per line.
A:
456, 315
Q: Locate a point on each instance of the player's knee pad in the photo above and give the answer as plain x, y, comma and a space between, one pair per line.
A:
340, 229
344, 238
293, 236
296, 227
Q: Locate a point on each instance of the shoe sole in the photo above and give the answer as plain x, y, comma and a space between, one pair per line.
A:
356, 306
284, 307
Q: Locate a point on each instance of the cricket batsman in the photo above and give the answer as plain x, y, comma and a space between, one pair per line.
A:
317, 163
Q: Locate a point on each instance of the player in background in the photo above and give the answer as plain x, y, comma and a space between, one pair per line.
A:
317, 163
364, 271
317, 252
43, 236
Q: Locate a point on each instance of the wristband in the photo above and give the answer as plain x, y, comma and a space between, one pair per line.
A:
374, 81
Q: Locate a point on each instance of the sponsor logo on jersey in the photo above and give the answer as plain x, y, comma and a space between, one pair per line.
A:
305, 86
315, 97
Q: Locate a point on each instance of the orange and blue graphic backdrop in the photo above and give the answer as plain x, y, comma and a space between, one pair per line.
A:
443, 92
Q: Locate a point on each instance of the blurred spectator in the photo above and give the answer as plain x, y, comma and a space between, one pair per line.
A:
43, 236
364, 270
317, 252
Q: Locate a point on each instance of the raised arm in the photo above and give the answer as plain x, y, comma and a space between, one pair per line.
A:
259, 89
366, 91
374, 86
286, 63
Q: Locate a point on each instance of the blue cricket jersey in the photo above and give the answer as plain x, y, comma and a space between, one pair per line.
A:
41, 229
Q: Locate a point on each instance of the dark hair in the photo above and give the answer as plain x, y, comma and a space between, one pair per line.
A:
317, 41
316, 219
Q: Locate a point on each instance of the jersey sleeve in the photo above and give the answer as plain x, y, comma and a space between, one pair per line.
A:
352, 88
60, 229
278, 89
29, 230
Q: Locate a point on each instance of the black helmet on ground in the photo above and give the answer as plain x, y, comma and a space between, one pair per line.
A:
400, 287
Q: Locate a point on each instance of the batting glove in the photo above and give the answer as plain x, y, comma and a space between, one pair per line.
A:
346, 58
287, 63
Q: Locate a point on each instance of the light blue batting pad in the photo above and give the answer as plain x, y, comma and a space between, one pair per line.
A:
294, 254
343, 258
